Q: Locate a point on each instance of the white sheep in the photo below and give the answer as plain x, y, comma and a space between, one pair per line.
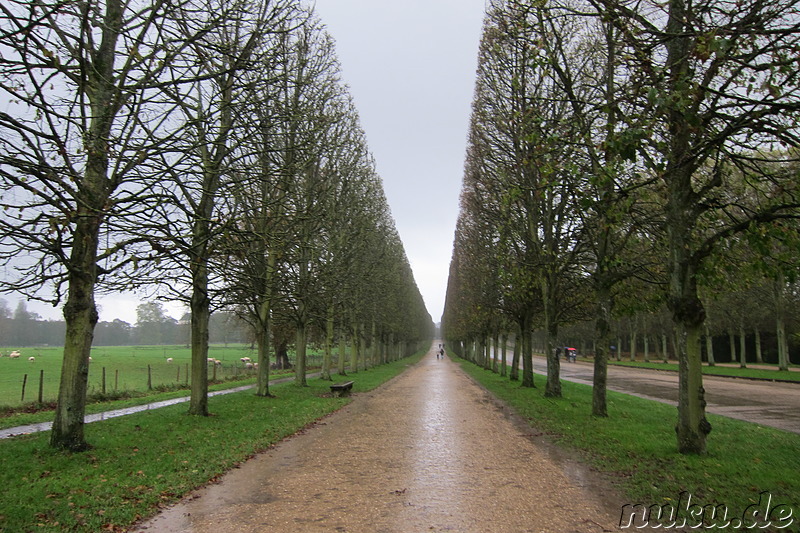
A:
169, 359
248, 366
14, 355
245, 359
31, 359
217, 362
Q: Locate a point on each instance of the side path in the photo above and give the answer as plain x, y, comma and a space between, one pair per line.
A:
428, 451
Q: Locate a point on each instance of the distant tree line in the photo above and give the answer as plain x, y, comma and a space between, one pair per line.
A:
206, 149
22, 328
632, 173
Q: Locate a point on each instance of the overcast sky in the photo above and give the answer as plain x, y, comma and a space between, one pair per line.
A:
410, 67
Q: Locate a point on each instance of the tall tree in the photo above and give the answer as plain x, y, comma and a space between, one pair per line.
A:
719, 85
187, 221
79, 77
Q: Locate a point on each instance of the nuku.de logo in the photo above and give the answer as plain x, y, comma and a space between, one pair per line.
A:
684, 513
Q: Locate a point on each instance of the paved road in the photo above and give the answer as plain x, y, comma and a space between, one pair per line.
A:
428, 451
769, 403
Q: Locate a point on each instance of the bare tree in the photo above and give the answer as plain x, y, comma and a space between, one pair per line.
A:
80, 80
200, 165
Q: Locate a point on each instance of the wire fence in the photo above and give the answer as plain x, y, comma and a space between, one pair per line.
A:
30, 385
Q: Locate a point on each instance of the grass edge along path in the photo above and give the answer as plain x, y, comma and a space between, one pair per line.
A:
719, 370
635, 448
133, 470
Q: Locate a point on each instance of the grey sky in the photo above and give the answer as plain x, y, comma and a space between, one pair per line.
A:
410, 67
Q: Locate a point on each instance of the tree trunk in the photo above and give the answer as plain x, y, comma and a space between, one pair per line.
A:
732, 345
527, 351
300, 356
742, 347
503, 360
263, 340
515, 357
80, 310
342, 353
282, 356
354, 352
201, 314
552, 388
603, 341
780, 324
80, 315
710, 348
363, 344
759, 354
328, 356
688, 314
374, 348
495, 351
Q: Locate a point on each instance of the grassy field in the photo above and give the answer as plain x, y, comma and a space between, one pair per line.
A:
133, 469
717, 370
636, 447
126, 369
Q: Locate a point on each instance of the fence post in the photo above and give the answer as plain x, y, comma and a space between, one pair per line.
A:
116, 379
24, 382
104, 380
41, 385
149, 378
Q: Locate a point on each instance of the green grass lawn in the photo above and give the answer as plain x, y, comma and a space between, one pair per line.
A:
126, 369
753, 373
133, 469
636, 447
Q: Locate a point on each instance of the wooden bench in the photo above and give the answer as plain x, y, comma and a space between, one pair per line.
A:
341, 389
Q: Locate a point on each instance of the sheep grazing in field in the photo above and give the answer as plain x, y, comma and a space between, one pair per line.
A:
217, 362
248, 366
169, 359
245, 359
14, 355
31, 359
209, 359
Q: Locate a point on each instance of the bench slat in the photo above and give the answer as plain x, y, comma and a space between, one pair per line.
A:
341, 389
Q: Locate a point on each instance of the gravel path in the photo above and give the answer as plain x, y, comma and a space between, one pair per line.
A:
428, 451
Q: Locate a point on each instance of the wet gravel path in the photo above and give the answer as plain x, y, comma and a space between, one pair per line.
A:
428, 451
